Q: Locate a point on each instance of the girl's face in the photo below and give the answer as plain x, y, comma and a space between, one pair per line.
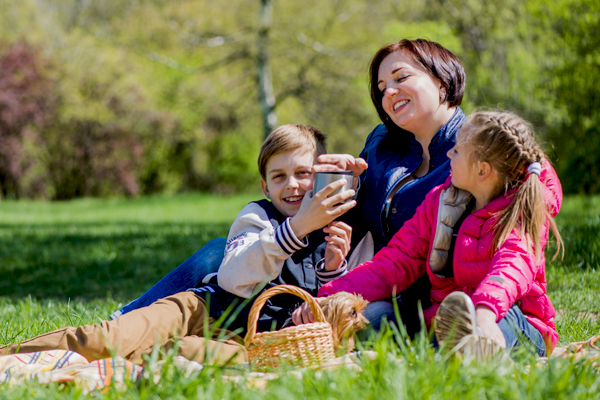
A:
411, 97
462, 167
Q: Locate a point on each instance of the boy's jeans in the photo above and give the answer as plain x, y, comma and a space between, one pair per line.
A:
187, 275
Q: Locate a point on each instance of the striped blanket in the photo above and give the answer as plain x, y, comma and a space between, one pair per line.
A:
72, 368
66, 366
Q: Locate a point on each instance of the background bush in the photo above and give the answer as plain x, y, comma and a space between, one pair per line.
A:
126, 98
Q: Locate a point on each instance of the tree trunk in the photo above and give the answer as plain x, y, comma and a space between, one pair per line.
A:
265, 84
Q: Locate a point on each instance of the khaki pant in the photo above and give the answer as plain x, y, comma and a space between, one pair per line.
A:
182, 317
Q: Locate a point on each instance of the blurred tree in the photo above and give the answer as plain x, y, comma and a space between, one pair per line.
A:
314, 83
263, 68
27, 104
500, 49
95, 144
574, 72
157, 96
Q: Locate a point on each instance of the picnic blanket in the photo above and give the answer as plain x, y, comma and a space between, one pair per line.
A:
588, 350
66, 366
70, 367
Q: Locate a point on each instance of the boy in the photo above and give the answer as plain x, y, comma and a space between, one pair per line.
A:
275, 242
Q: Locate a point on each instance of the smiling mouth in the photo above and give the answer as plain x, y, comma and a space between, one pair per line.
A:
293, 199
400, 104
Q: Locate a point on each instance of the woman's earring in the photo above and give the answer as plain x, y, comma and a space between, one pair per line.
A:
442, 96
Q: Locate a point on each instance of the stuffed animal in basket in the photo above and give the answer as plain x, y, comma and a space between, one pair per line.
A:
344, 312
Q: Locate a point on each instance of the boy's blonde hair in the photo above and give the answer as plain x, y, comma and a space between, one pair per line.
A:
508, 144
289, 138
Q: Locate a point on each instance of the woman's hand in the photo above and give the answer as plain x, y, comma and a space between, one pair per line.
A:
303, 314
341, 162
318, 210
486, 321
338, 244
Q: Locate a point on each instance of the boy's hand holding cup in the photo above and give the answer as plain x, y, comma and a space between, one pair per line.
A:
321, 207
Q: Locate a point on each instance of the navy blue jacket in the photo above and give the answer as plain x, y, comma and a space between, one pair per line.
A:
389, 163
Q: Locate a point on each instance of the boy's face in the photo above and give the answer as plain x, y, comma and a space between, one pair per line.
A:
288, 177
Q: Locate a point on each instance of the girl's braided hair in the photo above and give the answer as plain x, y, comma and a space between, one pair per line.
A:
508, 144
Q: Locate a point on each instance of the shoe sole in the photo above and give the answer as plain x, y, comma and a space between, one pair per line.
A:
479, 348
455, 319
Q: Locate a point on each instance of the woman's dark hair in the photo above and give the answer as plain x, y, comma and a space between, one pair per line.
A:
438, 61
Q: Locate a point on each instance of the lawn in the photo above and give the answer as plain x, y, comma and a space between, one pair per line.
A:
70, 263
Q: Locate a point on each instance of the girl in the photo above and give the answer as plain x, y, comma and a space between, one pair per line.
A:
482, 233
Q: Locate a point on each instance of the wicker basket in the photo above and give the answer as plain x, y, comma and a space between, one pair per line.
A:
305, 345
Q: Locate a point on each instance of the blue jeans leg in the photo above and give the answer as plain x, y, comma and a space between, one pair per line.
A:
419, 292
379, 311
519, 332
383, 310
187, 275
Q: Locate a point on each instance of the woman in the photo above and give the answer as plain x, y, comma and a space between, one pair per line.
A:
416, 87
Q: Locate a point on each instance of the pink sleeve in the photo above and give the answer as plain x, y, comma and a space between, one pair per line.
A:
512, 272
395, 266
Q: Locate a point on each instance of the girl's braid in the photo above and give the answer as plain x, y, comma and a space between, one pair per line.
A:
521, 135
508, 144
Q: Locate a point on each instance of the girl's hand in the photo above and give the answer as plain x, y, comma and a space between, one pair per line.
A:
486, 321
341, 162
303, 314
318, 210
338, 244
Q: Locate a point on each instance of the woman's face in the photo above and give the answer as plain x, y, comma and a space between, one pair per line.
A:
411, 97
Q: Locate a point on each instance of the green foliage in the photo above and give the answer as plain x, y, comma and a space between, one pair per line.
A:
156, 96
576, 25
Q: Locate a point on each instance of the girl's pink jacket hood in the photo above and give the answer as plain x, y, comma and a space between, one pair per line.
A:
495, 279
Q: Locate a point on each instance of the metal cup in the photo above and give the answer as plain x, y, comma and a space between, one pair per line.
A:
323, 179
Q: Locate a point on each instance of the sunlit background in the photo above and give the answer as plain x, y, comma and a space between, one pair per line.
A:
133, 97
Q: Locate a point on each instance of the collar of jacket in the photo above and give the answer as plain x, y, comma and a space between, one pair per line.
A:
452, 205
493, 207
438, 147
442, 137
390, 163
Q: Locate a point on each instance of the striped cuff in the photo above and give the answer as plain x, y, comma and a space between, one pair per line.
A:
327, 276
287, 240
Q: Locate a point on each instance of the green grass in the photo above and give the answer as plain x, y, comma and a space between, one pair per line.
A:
73, 263
90, 249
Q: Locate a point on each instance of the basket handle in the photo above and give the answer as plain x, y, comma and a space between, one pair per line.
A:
279, 289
